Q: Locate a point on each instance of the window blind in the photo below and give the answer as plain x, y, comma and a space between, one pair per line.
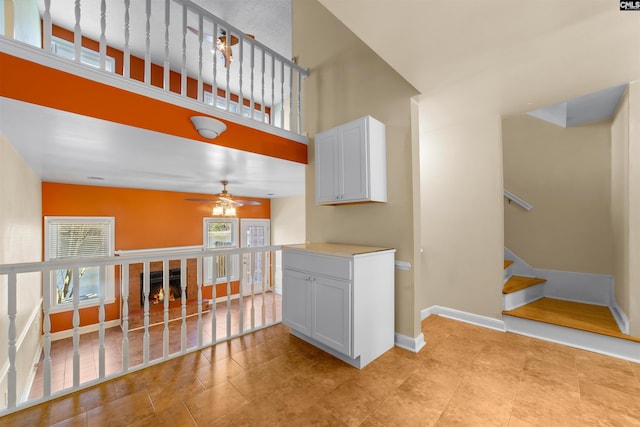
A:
72, 240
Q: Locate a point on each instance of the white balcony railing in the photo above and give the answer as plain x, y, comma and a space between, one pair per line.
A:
45, 353
179, 47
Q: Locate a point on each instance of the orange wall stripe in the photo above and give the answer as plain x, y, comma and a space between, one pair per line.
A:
34, 83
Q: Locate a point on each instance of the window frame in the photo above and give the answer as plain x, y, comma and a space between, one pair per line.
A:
109, 275
208, 260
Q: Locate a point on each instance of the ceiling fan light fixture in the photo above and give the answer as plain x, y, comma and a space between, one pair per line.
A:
208, 127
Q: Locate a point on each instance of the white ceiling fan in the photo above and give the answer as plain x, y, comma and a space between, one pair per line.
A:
225, 204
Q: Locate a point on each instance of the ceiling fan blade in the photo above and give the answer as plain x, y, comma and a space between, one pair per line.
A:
206, 36
251, 202
196, 199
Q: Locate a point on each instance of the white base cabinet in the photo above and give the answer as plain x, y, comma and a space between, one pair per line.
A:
340, 298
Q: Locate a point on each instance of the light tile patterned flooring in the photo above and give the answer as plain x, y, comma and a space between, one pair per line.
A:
465, 375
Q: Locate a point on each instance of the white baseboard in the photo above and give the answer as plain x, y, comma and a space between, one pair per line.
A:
68, 333
615, 347
519, 266
408, 343
621, 318
463, 316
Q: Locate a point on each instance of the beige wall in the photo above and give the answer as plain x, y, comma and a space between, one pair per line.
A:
565, 173
625, 205
347, 80
462, 219
20, 241
288, 220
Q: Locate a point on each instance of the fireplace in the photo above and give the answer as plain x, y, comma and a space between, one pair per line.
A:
156, 290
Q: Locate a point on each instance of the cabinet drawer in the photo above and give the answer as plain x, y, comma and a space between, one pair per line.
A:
317, 264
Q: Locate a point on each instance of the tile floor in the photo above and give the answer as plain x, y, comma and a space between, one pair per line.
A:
465, 375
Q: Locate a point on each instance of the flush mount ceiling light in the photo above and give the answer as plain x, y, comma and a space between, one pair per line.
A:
208, 127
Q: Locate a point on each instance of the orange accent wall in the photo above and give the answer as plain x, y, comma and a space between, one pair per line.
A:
143, 219
34, 83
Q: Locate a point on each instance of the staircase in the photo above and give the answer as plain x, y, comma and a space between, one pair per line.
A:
527, 311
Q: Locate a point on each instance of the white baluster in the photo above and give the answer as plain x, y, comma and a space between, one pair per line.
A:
299, 128
263, 108
214, 84
77, 34
240, 76
165, 288
251, 99
214, 325
273, 291
227, 272
290, 98
126, 72
76, 327
183, 78
252, 289
243, 273
147, 52
273, 88
12, 307
199, 286
46, 329
263, 256
167, 66
103, 37
281, 94
200, 37
46, 25
125, 317
228, 65
101, 319
145, 293
183, 301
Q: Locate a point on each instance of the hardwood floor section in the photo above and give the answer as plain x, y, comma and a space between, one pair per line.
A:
576, 315
465, 375
507, 263
518, 283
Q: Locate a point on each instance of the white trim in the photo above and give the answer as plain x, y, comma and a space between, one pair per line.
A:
621, 318
408, 343
519, 266
68, 333
603, 344
522, 297
402, 265
463, 316
525, 205
158, 250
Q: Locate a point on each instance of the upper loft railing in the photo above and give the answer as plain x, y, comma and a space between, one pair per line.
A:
179, 47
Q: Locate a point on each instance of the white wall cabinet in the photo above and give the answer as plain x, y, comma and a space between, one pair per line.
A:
340, 298
350, 163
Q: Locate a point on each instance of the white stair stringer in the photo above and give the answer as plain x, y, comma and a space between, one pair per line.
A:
522, 297
603, 344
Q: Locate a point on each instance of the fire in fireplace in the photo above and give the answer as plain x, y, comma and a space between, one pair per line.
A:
156, 290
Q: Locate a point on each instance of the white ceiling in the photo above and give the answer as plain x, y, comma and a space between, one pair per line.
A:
498, 56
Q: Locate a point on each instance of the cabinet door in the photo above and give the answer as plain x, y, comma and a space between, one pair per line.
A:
352, 161
296, 301
331, 308
326, 166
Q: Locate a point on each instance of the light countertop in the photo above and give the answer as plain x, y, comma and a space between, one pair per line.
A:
338, 249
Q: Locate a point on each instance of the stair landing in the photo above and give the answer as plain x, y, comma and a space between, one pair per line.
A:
585, 317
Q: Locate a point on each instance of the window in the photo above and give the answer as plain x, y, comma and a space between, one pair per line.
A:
80, 237
221, 234
221, 102
89, 57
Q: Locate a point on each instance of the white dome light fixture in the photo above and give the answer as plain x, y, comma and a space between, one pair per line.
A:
208, 127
